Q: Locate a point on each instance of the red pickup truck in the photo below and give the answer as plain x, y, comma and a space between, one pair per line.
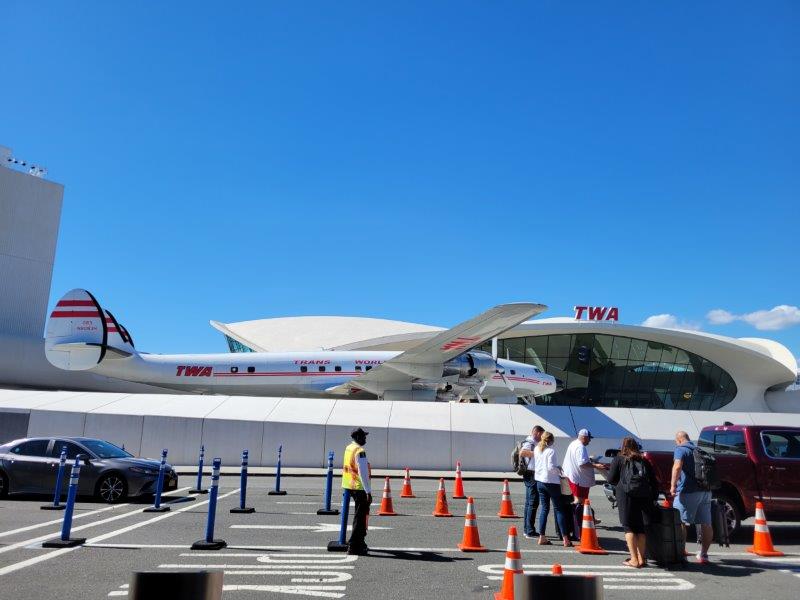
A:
754, 462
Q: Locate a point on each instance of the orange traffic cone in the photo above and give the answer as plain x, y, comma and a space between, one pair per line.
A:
762, 540
506, 508
407, 492
589, 543
556, 570
513, 565
458, 488
441, 509
471, 541
386, 509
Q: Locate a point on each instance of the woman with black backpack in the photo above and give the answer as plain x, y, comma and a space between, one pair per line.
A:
636, 489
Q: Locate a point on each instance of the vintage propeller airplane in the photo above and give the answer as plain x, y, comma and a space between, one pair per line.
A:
83, 336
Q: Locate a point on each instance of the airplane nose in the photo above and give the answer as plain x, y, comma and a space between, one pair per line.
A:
559, 385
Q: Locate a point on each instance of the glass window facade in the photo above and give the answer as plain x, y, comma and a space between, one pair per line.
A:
235, 346
609, 370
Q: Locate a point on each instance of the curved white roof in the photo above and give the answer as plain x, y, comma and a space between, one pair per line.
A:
754, 363
288, 334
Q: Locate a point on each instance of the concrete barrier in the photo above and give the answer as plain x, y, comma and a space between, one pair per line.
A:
420, 435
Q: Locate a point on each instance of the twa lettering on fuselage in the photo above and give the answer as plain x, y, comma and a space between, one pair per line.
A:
312, 362
193, 371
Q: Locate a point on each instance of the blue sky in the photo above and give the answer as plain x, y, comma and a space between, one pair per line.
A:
415, 161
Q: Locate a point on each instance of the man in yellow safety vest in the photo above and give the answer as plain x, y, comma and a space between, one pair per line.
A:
355, 477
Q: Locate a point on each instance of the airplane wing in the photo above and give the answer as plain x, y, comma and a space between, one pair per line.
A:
425, 360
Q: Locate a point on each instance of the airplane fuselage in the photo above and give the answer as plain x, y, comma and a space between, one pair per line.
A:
296, 374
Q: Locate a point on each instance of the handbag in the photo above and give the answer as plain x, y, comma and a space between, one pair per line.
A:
565, 489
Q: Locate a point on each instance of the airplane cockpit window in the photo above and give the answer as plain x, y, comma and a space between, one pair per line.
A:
368, 367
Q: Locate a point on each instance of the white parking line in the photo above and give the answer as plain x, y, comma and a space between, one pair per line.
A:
314, 575
81, 515
43, 557
56, 521
43, 538
318, 591
615, 577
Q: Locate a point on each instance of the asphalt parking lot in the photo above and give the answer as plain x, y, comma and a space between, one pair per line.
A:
279, 551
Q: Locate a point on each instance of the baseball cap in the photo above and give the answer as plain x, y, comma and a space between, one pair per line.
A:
358, 431
586, 433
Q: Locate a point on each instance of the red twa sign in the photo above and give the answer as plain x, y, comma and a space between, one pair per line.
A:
597, 313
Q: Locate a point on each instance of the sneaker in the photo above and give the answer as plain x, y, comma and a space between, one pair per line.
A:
702, 559
530, 536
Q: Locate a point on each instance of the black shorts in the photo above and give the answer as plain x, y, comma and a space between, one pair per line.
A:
634, 513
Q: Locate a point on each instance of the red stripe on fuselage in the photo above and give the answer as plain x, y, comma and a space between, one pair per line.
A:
59, 314
75, 303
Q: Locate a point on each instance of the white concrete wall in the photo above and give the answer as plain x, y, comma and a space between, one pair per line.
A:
418, 435
298, 424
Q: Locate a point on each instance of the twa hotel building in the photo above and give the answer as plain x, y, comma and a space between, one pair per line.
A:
618, 379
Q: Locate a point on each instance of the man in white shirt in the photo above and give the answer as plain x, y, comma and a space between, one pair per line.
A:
531, 492
578, 466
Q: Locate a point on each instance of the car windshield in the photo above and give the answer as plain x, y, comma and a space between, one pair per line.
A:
105, 450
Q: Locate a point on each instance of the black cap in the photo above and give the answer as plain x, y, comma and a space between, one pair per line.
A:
358, 431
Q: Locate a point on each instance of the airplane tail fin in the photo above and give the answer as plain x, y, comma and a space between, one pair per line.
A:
81, 333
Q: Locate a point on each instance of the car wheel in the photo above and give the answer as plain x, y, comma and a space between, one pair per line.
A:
733, 514
3, 485
112, 488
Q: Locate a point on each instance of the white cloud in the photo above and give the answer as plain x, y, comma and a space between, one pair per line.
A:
779, 317
720, 317
668, 321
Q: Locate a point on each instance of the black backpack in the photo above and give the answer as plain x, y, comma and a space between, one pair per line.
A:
519, 463
705, 470
634, 479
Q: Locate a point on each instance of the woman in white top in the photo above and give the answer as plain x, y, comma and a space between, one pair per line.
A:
548, 483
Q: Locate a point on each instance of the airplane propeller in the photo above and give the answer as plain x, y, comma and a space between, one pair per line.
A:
500, 370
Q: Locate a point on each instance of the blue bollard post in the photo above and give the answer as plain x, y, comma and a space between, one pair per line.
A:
157, 507
59, 479
243, 508
65, 541
198, 489
209, 543
326, 510
277, 491
340, 545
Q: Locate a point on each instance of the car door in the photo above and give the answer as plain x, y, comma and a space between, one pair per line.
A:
73, 450
782, 448
29, 468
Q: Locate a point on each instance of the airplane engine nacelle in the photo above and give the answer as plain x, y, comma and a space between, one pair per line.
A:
472, 365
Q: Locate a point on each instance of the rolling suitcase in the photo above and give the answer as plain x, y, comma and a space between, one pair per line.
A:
719, 524
665, 543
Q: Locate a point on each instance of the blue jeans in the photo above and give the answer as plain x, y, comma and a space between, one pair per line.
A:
547, 492
531, 503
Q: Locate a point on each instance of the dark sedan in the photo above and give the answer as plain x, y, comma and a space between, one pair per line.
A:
107, 472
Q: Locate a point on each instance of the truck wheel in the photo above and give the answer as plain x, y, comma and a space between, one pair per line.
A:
733, 513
